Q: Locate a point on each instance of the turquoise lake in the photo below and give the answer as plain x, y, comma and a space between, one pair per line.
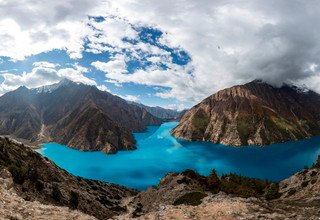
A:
159, 153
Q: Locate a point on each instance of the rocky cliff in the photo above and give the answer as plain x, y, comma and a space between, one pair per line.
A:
255, 113
36, 178
77, 115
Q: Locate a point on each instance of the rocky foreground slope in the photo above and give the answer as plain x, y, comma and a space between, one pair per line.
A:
73, 114
32, 187
13, 206
191, 196
36, 178
255, 113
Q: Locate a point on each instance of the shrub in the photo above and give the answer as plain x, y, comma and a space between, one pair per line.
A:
272, 192
243, 186
304, 183
192, 198
316, 165
137, 212
243, 128
213, 182
39, 185
56, 193
74, 199
291, 192
18, 173
200, 121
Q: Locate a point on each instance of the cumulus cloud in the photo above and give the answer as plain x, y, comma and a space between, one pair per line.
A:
44, 73
115, 66
103, 88
31, 27
174, 79
231, 42
131, 98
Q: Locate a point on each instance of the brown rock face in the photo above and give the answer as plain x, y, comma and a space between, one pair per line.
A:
76, 115
36, 178
252, 114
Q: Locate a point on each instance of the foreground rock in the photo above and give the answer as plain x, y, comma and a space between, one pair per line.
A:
191, 196
252, 114
76, 115
12, 206
32, 187
35, 178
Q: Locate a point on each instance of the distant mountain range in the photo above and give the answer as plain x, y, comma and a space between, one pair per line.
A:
255, 113
74, 114
159, 112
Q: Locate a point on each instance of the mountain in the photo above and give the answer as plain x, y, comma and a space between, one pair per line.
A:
35, 178
73, 114
159, 112
255, 113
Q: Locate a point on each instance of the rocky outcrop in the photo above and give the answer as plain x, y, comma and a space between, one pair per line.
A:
36, 178
76, 115
13, 206
189, 195
252, 114
32, 187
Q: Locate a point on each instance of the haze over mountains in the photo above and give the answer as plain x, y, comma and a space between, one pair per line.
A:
159, 112
255, 113
77, 115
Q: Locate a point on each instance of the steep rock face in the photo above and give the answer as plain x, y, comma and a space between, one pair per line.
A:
77, 115
18, 116
35, 178
252, 114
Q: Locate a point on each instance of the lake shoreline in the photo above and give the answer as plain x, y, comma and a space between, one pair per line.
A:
159, 153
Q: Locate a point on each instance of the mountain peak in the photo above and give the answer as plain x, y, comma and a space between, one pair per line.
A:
51, 88
255, 113
22, 88
65, 81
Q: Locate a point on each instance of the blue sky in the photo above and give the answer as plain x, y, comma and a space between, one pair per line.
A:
145, 94
167, 53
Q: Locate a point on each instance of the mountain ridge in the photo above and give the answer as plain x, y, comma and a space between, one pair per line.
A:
66, 112
255, 113
160, 112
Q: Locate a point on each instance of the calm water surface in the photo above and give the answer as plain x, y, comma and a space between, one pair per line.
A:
159, 153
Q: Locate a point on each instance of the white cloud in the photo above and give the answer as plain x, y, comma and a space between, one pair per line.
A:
115, 66
45, 64
103, 88
44, 73
31, 27
175, 79
131, 98
229, 42
178, 107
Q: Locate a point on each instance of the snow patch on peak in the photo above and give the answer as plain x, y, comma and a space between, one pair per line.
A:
53, 87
